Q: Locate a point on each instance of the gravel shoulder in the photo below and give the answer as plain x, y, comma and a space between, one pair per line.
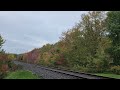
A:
46, 74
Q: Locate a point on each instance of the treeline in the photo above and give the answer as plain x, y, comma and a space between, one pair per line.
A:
92, 45
5, 60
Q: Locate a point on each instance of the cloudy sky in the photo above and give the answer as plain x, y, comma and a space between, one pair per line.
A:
26, 30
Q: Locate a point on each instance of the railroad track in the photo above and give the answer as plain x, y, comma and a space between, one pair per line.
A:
78, 75
55, 73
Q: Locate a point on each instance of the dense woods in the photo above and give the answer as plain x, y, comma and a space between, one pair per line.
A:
92, 45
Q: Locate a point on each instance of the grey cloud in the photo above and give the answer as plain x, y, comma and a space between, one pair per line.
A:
24, 30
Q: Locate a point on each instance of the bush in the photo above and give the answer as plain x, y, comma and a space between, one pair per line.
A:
80, 68
2, 75
98, 65
52, 63
115, 69
6, 66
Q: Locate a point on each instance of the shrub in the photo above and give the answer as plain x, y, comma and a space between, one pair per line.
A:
80, 68
2, 75
115, 69
98, 65
52, 63
4, 68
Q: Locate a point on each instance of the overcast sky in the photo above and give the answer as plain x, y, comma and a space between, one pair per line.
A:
26, 30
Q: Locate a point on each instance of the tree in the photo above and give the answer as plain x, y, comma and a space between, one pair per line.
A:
1, 43
11, 56
86, 42
113, 26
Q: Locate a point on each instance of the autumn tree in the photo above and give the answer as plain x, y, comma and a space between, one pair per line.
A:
11, 57
94, 27
86, 41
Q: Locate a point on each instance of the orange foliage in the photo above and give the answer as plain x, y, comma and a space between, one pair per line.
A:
3, 64
3, 57
4, 68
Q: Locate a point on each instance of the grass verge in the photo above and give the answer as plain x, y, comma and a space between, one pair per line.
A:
21, 74
109, 75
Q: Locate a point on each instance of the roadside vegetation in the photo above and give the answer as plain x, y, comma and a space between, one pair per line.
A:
92, 45
108, 75
21, 75
6, 63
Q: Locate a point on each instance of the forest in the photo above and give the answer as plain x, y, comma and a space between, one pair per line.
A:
92, 45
